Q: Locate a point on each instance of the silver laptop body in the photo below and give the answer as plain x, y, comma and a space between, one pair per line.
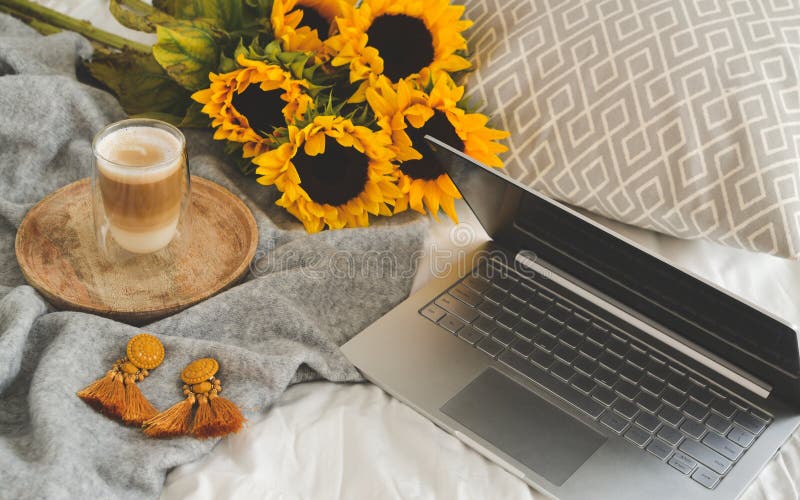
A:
581, 363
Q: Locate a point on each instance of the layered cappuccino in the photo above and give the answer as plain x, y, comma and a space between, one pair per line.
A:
142, 181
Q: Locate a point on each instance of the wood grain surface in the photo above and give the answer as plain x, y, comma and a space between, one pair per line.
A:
57, 251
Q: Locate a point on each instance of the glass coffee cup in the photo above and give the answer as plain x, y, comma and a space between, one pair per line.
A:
140, 189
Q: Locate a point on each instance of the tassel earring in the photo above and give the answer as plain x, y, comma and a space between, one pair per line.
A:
215, 416
116, 394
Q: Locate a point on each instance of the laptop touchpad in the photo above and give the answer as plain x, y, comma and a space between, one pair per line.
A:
524, 426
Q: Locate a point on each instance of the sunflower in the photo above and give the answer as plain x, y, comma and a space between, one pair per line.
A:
332, 172
247, 104
408, 115
401, 39
304, 25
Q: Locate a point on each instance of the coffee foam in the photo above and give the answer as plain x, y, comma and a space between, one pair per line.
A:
167, 146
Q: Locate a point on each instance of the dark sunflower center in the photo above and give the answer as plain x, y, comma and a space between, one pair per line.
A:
334, 177
315, 21
428, 167
263, 109
404, 43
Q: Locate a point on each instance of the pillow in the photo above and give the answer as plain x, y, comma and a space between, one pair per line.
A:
678, 116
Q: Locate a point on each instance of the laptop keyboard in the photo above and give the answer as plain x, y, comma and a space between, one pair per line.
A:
632, 391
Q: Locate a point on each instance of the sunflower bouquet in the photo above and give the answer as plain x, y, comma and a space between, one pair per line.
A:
327, 100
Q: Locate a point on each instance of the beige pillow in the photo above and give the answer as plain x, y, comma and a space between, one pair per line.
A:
678, 116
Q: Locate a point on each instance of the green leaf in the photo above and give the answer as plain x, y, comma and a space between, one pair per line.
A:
195, 118
137, 15
225, 14
164, 117
140, 84
187, 52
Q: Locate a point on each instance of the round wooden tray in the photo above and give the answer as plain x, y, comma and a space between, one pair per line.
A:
58, 254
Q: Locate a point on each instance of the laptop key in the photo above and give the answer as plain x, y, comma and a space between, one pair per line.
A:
614, 422
494, 294
507, 319
522, 291
559, 313
582, 383
515, 305
526, 331
626, 390
605, 376
571, 337
717, 423
466, 295
597, 334
626, 409
741, 436
591, 349
671, 416
584, 365
470, 335
578, 323
562, 371
683, 463
749, 422
723, 446
565, 353
648, 422
503, 336
546, 342
670, 435
604, 395
695, 410
504, 280
631, 373
532, 316
706, 477
484, 324
652, 385
550, 326
706, 456
680, 383
451, 323
540, 302
660, 449
723, 407
648, 402
542, 358
701, 394
555, 386
638, 358
490, 346
457, 308
610, 361
617, 345
694, 429
488, 309
523, 348
477, 283
673, 397
637, 436
433, 312
659, 371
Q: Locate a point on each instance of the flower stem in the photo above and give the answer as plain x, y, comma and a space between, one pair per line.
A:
43, 15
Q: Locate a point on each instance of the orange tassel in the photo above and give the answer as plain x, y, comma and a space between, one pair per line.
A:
175, 421
106, 395
215, 416
116, 394
227, 419
137, 407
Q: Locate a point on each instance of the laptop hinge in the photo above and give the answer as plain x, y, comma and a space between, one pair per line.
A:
686, 347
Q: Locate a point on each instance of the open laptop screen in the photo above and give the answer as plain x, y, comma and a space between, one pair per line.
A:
686, 305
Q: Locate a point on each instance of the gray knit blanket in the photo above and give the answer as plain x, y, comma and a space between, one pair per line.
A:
283, 325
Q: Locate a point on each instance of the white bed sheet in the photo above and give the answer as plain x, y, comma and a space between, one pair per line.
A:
331, 441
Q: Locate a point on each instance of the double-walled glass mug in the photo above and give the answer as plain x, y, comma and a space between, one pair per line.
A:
140, 189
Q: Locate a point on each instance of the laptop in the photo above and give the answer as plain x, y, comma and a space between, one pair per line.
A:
583, 364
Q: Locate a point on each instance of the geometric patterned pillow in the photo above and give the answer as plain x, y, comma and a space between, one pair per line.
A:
681, 116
